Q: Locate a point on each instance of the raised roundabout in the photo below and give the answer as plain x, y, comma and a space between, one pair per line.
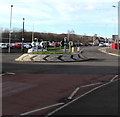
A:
66, 57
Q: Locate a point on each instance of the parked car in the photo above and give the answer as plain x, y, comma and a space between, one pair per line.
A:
11, 45
56, 44
17, 45
104, 45
27, 46
3, 45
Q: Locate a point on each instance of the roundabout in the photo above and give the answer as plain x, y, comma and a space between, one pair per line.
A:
53, 56
73, 57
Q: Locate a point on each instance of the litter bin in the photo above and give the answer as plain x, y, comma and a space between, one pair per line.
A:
115, 45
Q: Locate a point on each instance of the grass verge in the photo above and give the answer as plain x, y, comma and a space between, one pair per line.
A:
51, 53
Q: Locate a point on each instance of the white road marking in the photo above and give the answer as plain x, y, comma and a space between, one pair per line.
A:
76, 90
7, 73
104, 51
36, 110
49, 114
10, 73
90, 85
73, 93
114, 78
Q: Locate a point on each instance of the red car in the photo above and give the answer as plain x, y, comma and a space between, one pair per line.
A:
17, 46
56, 44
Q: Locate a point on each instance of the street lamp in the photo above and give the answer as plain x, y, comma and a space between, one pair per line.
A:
10, 28
23, 33
118, 22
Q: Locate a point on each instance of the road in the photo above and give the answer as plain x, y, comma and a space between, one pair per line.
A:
37, 85
100, 63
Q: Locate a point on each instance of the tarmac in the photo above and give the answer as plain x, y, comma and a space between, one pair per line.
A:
100, 101
103, 100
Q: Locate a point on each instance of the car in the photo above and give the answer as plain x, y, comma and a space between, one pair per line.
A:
17, 45
3, 45
102, 45
27, 46
56, 44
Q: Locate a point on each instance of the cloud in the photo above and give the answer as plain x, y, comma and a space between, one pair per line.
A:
58, 13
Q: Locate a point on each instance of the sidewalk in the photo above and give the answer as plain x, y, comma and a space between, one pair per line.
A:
114, 52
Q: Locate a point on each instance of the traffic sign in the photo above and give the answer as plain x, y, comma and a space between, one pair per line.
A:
37, 44
65, 43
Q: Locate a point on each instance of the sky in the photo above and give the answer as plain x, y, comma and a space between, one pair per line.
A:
84, 17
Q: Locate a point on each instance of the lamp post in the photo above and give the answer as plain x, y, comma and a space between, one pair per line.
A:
118, 23
118, 8
23, 35
10, 28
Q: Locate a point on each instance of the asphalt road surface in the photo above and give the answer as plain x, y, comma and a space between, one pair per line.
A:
33, 80
100, 63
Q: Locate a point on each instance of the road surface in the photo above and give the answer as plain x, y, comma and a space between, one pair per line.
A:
31, 86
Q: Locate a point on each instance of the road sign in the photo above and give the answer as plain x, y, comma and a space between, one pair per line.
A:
65, 43
37, 44
70, 43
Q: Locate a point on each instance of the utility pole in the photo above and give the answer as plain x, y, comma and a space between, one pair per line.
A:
23, 35
118, 24
10, 28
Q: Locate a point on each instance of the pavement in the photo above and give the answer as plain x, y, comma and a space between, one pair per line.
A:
108, 50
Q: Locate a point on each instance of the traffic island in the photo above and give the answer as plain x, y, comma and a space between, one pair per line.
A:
73, 57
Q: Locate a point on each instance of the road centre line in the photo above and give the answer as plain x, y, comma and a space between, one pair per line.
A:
36, 110
90, 91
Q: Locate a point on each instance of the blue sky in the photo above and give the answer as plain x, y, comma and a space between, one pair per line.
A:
60, 16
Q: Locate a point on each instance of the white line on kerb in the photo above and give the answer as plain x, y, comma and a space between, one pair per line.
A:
10, 73
114, 78
7, 73
1, 74
26, 113
78, 98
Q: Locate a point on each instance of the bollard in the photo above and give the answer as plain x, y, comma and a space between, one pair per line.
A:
73, 49
78, 49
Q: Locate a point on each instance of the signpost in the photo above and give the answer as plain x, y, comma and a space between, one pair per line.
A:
37, 44
70, 45
65, 43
